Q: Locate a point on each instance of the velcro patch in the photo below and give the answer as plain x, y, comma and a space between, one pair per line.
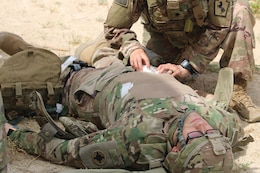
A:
123, 3
221, 7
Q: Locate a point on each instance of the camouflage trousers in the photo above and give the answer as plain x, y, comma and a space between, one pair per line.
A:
238, 44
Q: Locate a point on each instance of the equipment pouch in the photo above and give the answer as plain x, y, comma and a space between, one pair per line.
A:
33, 69
101, 155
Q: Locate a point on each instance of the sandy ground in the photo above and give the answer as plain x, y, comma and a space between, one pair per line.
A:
60, 26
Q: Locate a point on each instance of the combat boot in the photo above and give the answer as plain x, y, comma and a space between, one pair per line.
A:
11, 43
242, 103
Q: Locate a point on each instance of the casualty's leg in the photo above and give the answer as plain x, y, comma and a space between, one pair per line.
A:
223, 91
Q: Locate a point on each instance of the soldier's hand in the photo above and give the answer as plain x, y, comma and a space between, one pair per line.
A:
138, 58
173, 70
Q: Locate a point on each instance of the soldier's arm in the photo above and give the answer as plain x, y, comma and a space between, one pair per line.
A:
201, 53
89, 151
121, 16
217, 27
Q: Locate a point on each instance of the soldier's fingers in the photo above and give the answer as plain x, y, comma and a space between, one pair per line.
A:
133, 62
160, 68
146, 61
139, 64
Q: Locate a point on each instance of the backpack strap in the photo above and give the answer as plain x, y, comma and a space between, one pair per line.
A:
49, 128
50, 90
19, 94
76, 65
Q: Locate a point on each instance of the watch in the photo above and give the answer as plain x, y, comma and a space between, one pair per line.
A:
186, 64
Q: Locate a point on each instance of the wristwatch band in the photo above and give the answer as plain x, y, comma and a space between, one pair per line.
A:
186, 64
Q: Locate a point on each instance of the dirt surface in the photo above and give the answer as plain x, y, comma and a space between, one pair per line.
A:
60, 26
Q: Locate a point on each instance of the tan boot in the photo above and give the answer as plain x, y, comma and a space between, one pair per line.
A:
243, 104
11, 43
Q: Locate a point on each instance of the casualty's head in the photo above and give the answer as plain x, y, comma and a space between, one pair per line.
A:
196, 147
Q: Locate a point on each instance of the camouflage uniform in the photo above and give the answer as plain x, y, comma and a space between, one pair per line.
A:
192, 30
3, 142
138, 113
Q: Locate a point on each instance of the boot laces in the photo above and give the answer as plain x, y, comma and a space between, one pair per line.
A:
243, 99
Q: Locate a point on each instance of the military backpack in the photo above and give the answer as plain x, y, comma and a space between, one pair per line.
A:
32, 69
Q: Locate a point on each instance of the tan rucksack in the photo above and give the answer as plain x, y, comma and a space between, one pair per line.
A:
26, 71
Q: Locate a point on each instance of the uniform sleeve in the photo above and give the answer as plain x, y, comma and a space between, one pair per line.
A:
121, 16
206, 49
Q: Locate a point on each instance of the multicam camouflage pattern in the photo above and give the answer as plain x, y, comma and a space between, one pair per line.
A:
228, 26
240, 57
3, 144
197, 157
139, 119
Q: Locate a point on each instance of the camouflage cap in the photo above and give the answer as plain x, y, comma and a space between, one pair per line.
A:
210, 153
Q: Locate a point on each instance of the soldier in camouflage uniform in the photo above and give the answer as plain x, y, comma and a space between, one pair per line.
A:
186, 36
145, 121
141, 121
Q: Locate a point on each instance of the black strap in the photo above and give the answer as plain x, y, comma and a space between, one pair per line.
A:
76, 66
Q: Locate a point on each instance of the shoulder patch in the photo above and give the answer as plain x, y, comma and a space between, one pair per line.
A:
221, 7
123, 3
220, 12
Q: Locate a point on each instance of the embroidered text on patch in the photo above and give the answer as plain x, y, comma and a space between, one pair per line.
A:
221, 7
